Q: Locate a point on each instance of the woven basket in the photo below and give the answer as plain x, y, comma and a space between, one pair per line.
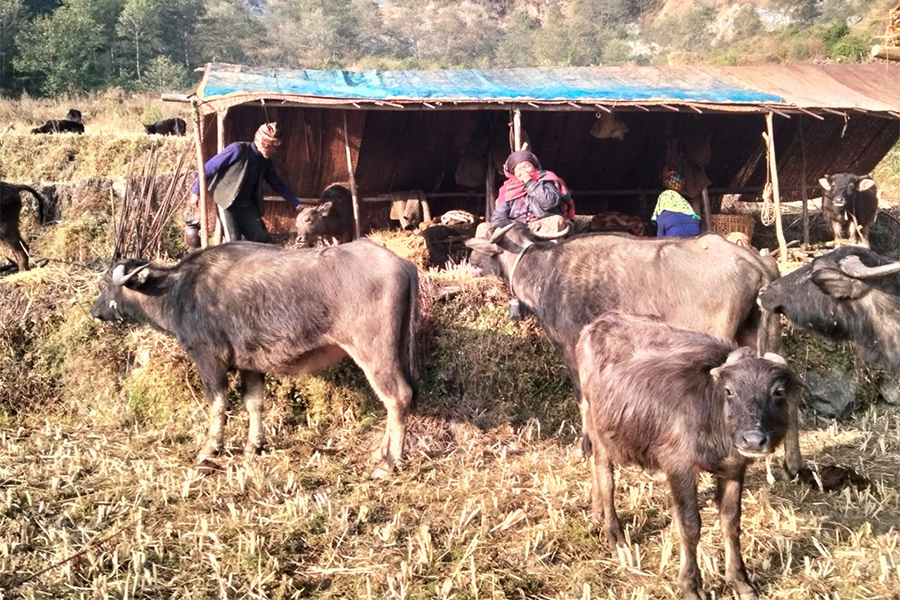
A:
725, 224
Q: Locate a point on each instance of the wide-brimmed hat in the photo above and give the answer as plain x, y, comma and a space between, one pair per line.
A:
550, 228
268, 135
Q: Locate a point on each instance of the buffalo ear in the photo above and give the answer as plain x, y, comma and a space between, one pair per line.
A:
826, 185
482, 245
325, 208
866, 184
836, 284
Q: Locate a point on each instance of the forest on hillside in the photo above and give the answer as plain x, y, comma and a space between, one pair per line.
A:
62, 47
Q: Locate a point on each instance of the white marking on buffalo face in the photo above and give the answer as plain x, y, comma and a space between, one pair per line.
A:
113, 305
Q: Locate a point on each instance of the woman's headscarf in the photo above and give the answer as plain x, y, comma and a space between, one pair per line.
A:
673, 202
519, 157
268, 135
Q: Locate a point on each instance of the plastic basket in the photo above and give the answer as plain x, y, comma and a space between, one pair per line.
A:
725, 224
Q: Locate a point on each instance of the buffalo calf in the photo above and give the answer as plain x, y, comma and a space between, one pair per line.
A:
329, 221
10, 210
174, 126
256, 308
680, 401
850, 203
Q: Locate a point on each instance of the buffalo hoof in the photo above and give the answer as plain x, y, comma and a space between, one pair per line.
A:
252, 449
207, 467
383, 470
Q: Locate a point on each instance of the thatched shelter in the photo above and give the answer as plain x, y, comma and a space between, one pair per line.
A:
391, 131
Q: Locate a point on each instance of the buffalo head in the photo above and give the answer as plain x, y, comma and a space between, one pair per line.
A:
498, 245
312, 223
842, 187
112, 304
756, 393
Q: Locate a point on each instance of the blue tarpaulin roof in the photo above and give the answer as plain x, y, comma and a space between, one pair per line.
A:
811, 86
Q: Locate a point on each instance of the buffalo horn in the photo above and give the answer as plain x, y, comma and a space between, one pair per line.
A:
854, 267
499, 233
775, 358
119, 277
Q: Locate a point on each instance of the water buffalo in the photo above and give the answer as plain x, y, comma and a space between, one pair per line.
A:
680, 401
850, 203
705, 283
258, 309
72, 123
851, 295
174, 126
10, 209
330, 221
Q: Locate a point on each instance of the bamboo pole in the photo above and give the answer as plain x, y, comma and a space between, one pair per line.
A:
773, 165
353, 190
201, 174
803, 194
886, 52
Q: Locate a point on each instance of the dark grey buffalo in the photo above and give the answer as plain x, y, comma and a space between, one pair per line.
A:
173, 126
849, 204
680, 401
851, 295
258, 309
10, 211
330, 221
706, 284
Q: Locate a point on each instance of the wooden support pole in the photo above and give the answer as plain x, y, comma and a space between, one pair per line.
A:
886, 52
803, 195
517, 128
704, 195
773, 165
220, 145
353, 191
201, 175
489, 187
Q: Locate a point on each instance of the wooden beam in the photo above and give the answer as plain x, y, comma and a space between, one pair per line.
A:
778, 112
353, 191
810, 113
886, 52
835, 112
773, 165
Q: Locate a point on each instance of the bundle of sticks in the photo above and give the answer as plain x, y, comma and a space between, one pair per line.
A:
892, 35
140, 224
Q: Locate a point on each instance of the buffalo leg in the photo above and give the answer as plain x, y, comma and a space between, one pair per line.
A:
728, 497
793, 460
215, 385
9, 233
603, 491
253, 390
838, 230
386, 377
687, 516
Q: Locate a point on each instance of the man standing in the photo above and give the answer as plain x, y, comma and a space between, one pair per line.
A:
235, 177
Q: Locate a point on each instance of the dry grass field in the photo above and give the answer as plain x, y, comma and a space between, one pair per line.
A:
100, 424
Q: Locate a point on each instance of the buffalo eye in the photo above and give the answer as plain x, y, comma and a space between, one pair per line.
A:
779, 394
729, 393
307, 220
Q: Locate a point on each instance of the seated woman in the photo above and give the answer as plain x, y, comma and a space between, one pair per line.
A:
674, 215
530, 194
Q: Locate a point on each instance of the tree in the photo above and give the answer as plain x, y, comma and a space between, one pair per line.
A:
227, 33
140, 22
164, 74
12, 18
70, 50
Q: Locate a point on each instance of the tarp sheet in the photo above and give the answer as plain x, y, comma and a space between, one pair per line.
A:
536, 84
